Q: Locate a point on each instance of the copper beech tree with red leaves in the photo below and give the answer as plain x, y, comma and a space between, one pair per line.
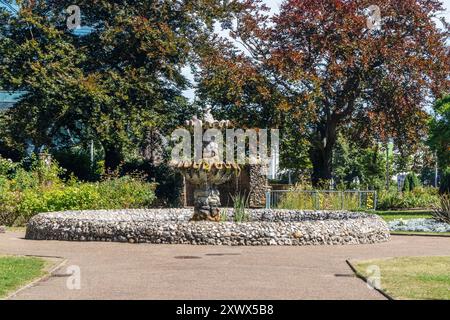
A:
318, 67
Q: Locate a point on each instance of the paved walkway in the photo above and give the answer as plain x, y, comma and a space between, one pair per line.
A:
130, 271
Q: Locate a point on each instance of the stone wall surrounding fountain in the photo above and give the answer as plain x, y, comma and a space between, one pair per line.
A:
172, 226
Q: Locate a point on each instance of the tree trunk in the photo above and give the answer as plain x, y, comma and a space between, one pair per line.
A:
113, 157
321, 154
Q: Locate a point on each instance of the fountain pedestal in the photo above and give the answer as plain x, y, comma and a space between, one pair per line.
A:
206, 177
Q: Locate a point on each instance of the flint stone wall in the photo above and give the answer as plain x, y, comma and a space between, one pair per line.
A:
172, 226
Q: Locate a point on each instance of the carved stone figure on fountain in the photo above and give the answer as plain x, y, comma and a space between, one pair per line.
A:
211, 152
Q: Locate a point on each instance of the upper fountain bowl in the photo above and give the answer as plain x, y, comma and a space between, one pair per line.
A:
215, 173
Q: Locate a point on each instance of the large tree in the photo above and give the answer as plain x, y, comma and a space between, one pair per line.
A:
113, 83
319, 63
440, 131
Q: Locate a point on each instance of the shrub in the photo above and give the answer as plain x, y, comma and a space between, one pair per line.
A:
7, 167
41, 190
121, 194
47, 174
33, 201
170, 182
420, 197
37, 176
126, 192
77, 162
445, 182
295, 200
8, 207
324, 200
411, 182
81, 197
442, 213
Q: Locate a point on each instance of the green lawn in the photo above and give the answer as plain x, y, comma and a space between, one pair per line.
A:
412, 278
397, 215
16, 272
411, 233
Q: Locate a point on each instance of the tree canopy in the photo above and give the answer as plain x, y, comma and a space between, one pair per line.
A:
315, 70
440, 131
111, 84
319, 64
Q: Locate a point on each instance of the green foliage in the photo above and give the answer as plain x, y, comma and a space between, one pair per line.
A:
126, 192
392, 215
31, 173
306, 64
80, 197
442, 213
322, 200
406, 186
294, 147
7, 167
439, 137
123, 193
223, 215
77, 161
351, 161
414, 181
240, 204
169, 181
8, 206
297, 201
445, 181
420, 197
108, 85
41, 190
411, 182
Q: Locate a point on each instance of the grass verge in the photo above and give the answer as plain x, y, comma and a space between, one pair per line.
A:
16, 272
411, 278
405, 215
411, 233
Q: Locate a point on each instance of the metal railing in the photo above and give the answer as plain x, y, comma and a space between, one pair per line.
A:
322, 200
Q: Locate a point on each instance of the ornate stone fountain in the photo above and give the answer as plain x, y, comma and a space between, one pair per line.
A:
208, 172
264, 227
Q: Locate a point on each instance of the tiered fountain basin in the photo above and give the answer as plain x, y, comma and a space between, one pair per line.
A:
174, 226
206, 176
215, 173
